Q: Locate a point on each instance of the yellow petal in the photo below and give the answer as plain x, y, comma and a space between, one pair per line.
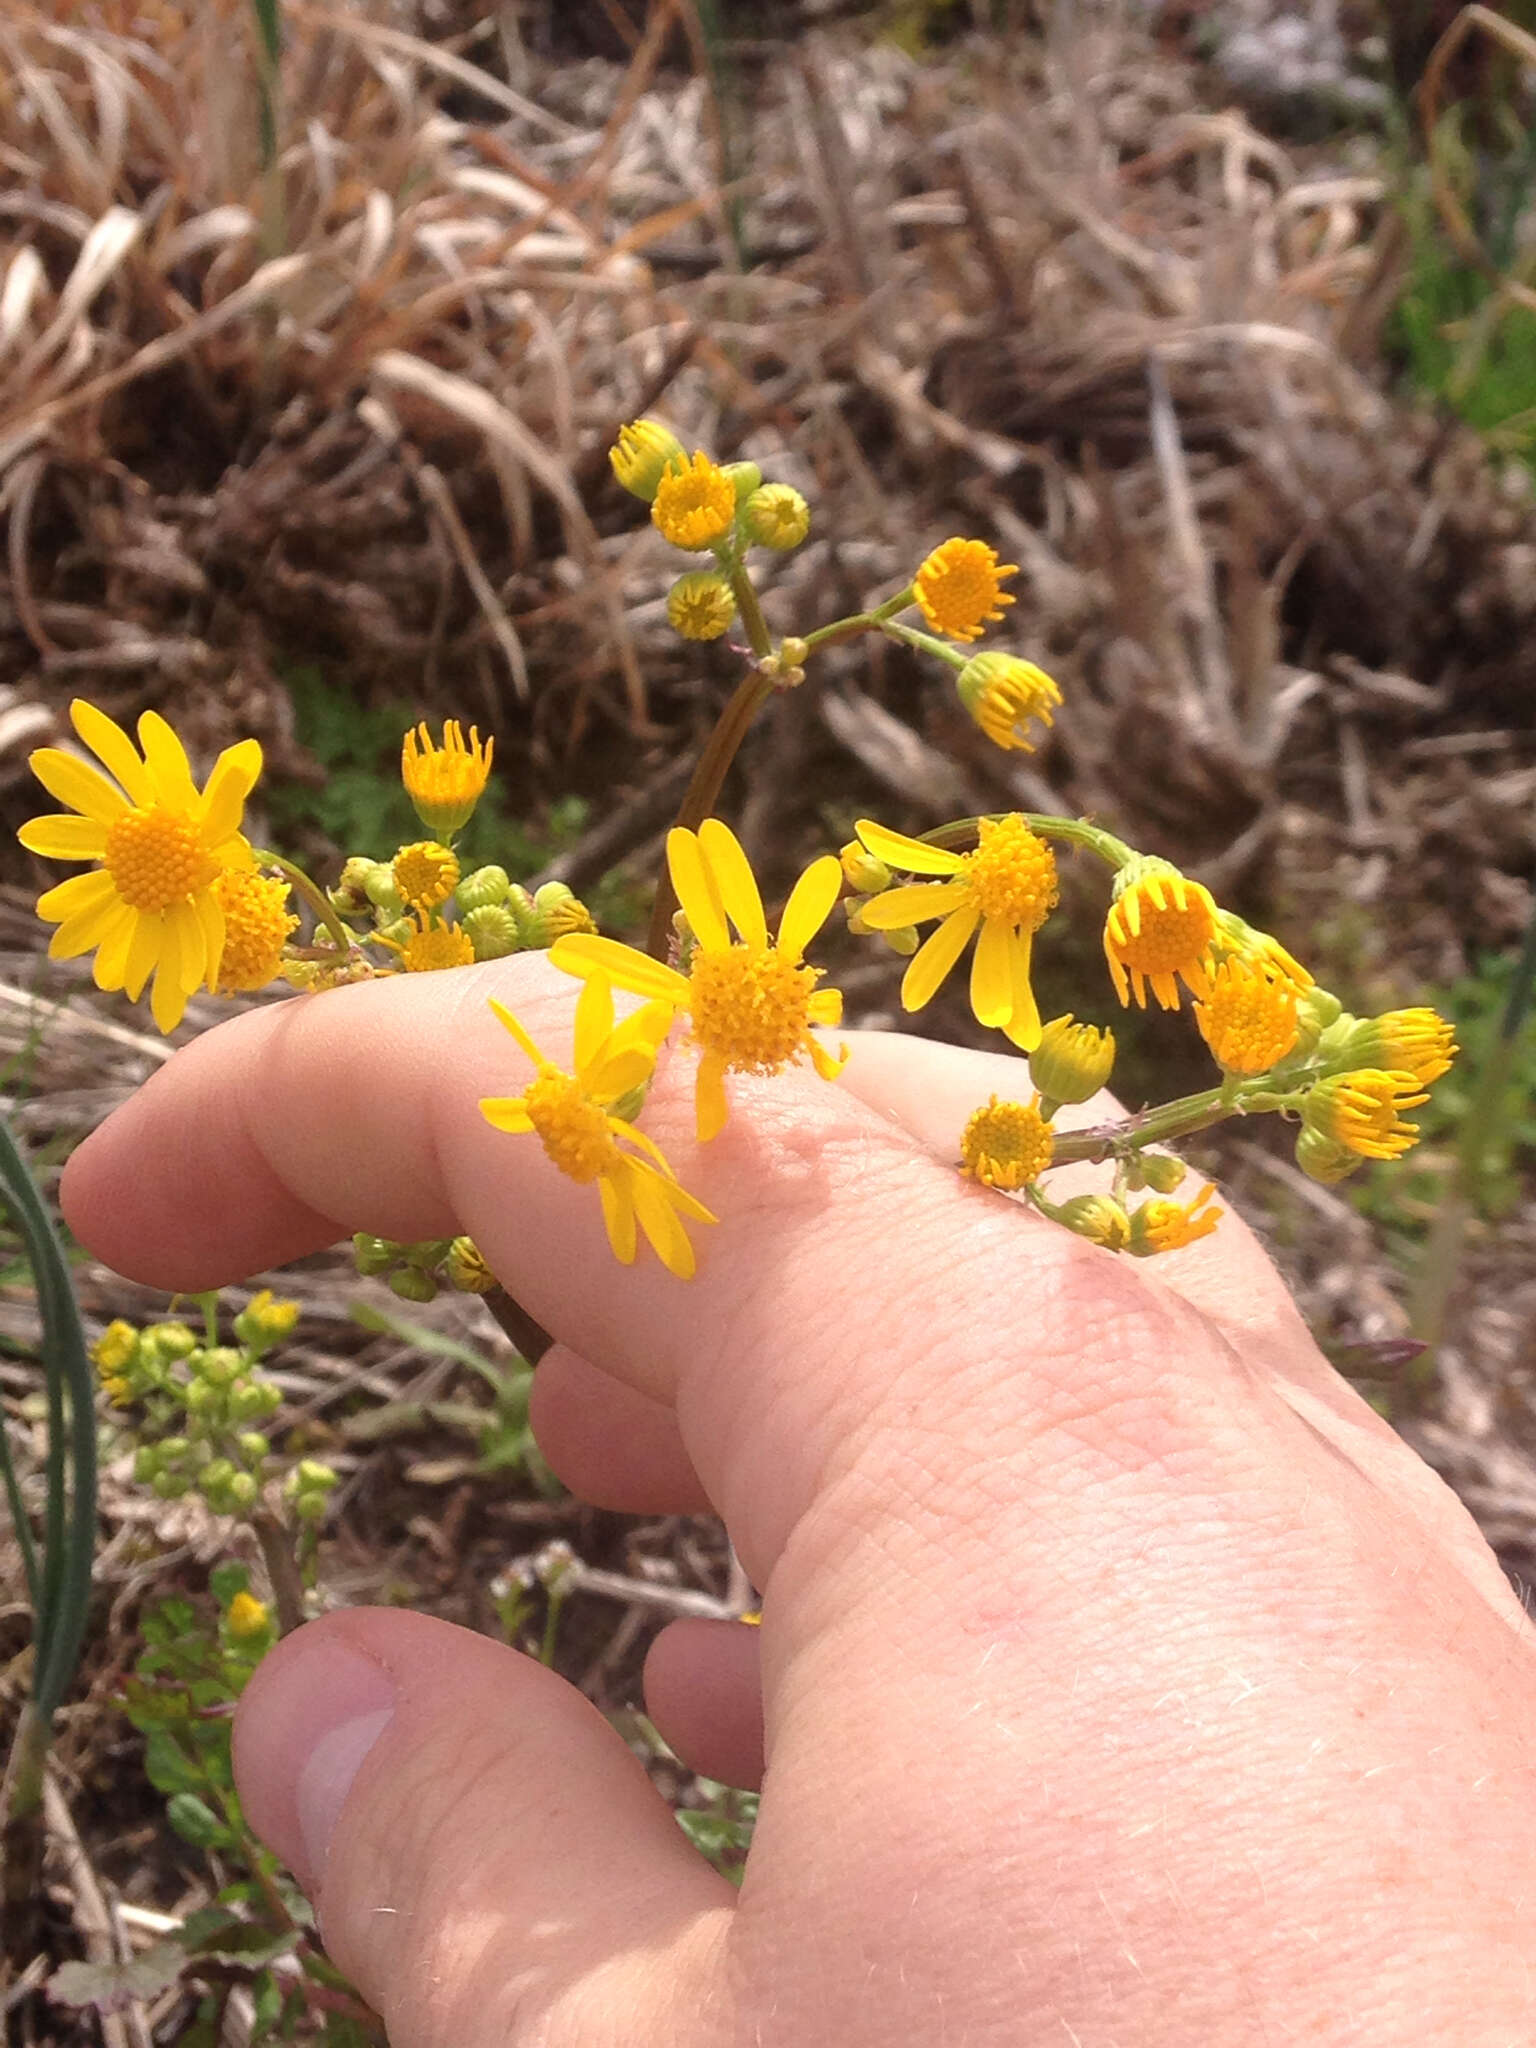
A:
912, 856
709, 1104
511, 1024
191, 944
79, 892
168, 998
825, 1006
594, 1020
111, 968
506, 1112
85, 928
113, 748
735, 884
1023, 1027
617, 1072
585, 953
74, 782
233, 778
912, 904
170, 772
828, 1064
810, 905
143, 952
211, 918
619, 1213
696, 890
660, 1222
64, 836
991, 985
935, 957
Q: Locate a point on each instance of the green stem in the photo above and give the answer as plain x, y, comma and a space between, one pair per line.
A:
325, 911
720, 749
1177, 1119
926, 641
1075, 831
858, 622
758, 635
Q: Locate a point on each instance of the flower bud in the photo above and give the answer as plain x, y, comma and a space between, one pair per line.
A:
483, 887
254, 1447
216, 1475
174, 1449
1317, 1011
116, 1347
563, 910
350, 894
166, 1341
776, 517
248, 1618
241, 1493
744, 479
170, 1485
701, 605
1002, 694
862, 870
221, 1365
1072, 1061
202, 1399
381, 888
1099, 1218
466, 1268
1320, 1159
902, 939
1160, 1171
411, 1284
264, 1320
146, 1463
251, 1400
492, 930
642, 455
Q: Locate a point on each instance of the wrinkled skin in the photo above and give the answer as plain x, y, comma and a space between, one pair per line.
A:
1123, 1681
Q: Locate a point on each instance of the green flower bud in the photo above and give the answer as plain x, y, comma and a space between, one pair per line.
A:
254, 1447
533, 933
1320, 1159
411, 1284
1099, 1218
217, 1474
563, 909
373, 1254
642, 455
1072, 1061
1160, 1171
398, 933
902, 939
862, 870
201, 1398
174, 1449
241, 1493
776, 517
466, 1268
221, 1365
381, 888
745, 478
492, 931
169, 1341
350, 894
146, 1463
170, 1485
484, 887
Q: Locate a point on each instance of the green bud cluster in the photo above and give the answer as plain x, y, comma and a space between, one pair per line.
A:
415, 1272
307, 1489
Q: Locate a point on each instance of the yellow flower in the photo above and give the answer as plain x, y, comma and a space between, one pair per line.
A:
248, 1617
750, 1001
642, 455
1160, 925
700, 605
149, 906
1248, 1018
118, 1390
695, 504
445, 783
1164, 1226
1006, 1144
1003, 693
1072, 1061
432, 947
1237, 940
115, 1347
776, 516
425, 873
573, 1115
1362, 1111
466, 1268
257, 922
1007, 888
959, 587
1417, 1042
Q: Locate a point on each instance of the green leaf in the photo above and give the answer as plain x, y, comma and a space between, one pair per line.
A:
109, 1987
226, 1580
195, 1821
167, 1765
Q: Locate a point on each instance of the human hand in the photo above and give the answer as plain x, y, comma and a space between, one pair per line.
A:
1122, 1678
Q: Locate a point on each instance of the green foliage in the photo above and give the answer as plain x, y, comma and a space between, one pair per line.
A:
722, 1829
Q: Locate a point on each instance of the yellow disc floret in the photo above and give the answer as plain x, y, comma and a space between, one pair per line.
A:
156, 858
1003, 693
1248, 1017
695, 504
959, 588
700, 605
257, 922
1164, 1226
1006, 1145
1362, 1111
425, 874
248, 1617
445, 783
1160, 926
572, 1129
749, 1006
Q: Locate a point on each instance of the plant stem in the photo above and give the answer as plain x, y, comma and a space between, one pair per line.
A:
313, 895
1177, 1119
282, 1569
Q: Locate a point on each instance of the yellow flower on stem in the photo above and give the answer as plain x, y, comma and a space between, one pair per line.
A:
574, 1118
695, 504
751, 1001
1003, 693
959, 588
1248, 1017
1164, 1226
425, 873
445, 783
257, 922
432, 947
1417, 1042
160, 844
642, 455
1160, 925
1362, 1112
1004, 890
1006, 1144
700, 605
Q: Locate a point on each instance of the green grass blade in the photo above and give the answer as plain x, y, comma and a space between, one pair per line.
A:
20, 1524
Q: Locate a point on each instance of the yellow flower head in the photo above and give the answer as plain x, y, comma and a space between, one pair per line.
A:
1003, 694
1160, 925
573, 1116
700, 605
751, 1001
1072, 1061
1005, 890
642, 455
257, 922
248, 1617
466, 1268
695, 504
266, 1320
1248, 1018
1164, 1226
432, 947
149, 905
445, 783
1417, 1042
1238, 940
1006, 1145
959, 588
776, 516
425, 873
116, 1347
1362, 1111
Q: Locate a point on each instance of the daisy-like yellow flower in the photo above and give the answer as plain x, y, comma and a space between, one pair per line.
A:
426, 874
1164, 1226
1363, 1111
750, 1000
1006, 1144
1003, 693
432, 947
257, 922
1417, 1042
695, 504
1160, 926
445, 783
149, 906
1005, 890
574, 1117
1247, 1018
960, 588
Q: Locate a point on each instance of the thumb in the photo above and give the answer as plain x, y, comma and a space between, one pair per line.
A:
489, 1862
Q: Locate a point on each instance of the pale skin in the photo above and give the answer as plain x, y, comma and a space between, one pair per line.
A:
1123, 1681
